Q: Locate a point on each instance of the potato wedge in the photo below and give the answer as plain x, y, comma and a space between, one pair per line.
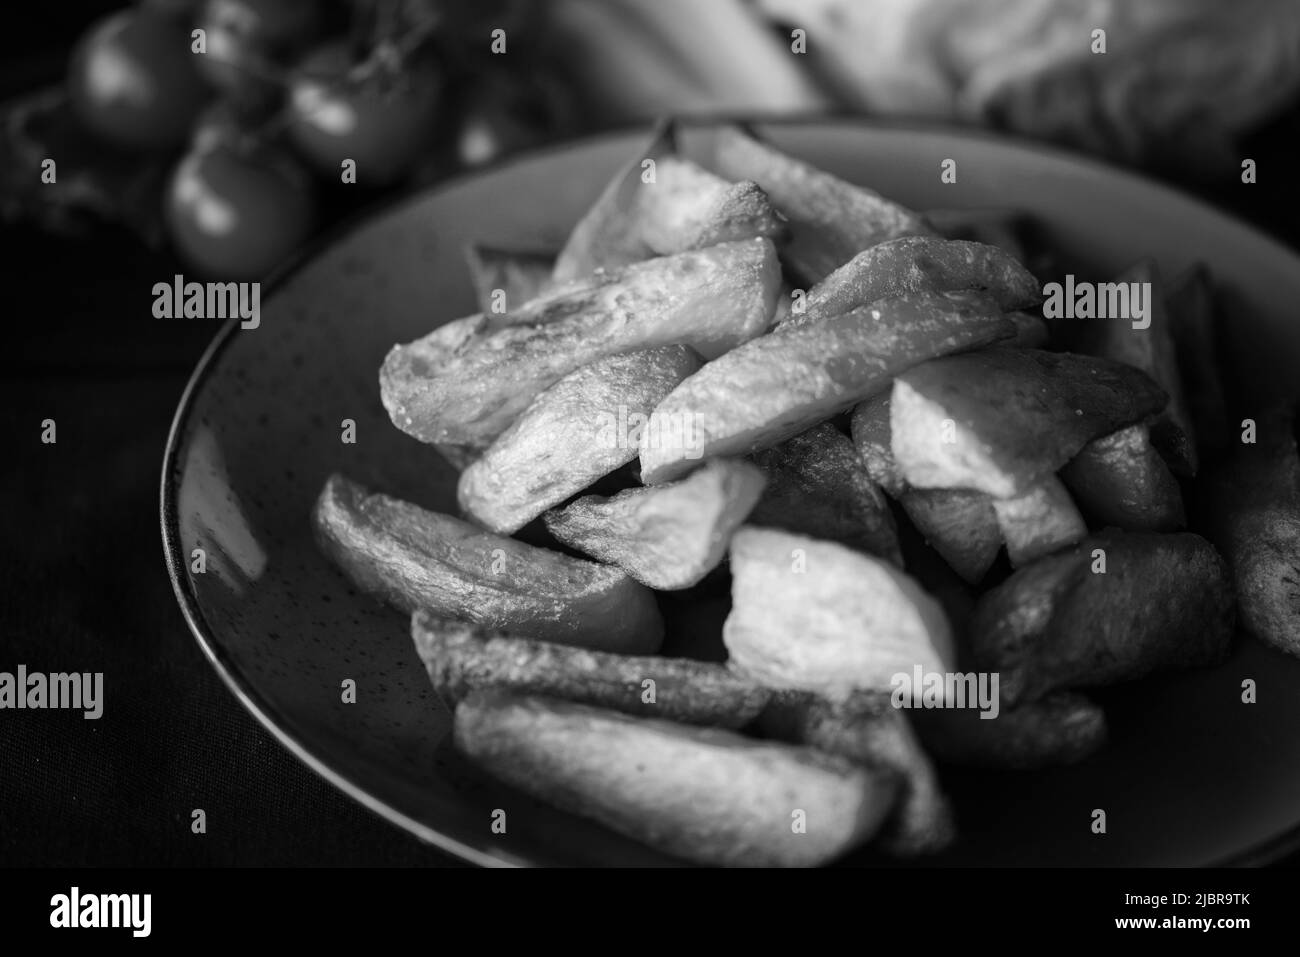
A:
506, 279
779, 385
667, 537
607, 235
869, 731
1150, 349
1063, 728
816, 616
872, 437
712, 300
831, 221
913, 264
412, 558
703, 794
959, 524
670, 207
1121, 480
575, 431
1193, 321
817, 485
1162, 602
688, 207
462, 658
1254, 516
1039, 521
437, 348
997, 420
539, 305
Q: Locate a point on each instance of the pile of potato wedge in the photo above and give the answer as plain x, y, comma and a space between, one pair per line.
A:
749, 374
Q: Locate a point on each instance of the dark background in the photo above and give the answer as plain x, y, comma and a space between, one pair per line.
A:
83, 585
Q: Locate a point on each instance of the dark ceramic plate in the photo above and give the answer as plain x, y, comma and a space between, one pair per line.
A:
1193, 776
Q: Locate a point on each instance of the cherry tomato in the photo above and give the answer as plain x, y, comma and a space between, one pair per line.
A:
134, 82
380, 116
246, 37
237, 213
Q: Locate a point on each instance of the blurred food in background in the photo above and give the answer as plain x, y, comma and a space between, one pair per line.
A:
233, 128
1176, 75
188, 144
642, 59
1180, 76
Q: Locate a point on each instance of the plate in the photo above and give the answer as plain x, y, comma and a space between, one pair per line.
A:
1193, 775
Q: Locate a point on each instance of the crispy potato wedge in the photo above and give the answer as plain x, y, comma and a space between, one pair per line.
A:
505, 279
913, 264
688, 207
674, 206
1039, 521
669, 536
435, 349
576, 430
1121, 480
997, 420
831, 221
816, 616
817, 485
1193, 321
1063, 728
462, 658
703, 794
467, 384
519, 276
1162, 602
959, 524
779, 385
412, 558
1003, 228
872, 437
607, 235
438, 348
1254, 516
1150, 349
869, 731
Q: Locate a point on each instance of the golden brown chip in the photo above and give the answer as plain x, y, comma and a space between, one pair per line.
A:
703, 794
412, 558
1116, 607
462, 658
668, 536
781, 384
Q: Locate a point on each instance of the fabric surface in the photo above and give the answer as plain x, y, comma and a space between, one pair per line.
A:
83, 587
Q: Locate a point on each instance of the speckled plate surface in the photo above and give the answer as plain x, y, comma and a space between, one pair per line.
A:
1192, 776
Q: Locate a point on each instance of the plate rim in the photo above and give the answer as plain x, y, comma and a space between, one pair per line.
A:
1264, 852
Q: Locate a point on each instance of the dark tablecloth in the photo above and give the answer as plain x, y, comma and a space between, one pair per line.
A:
83, 587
